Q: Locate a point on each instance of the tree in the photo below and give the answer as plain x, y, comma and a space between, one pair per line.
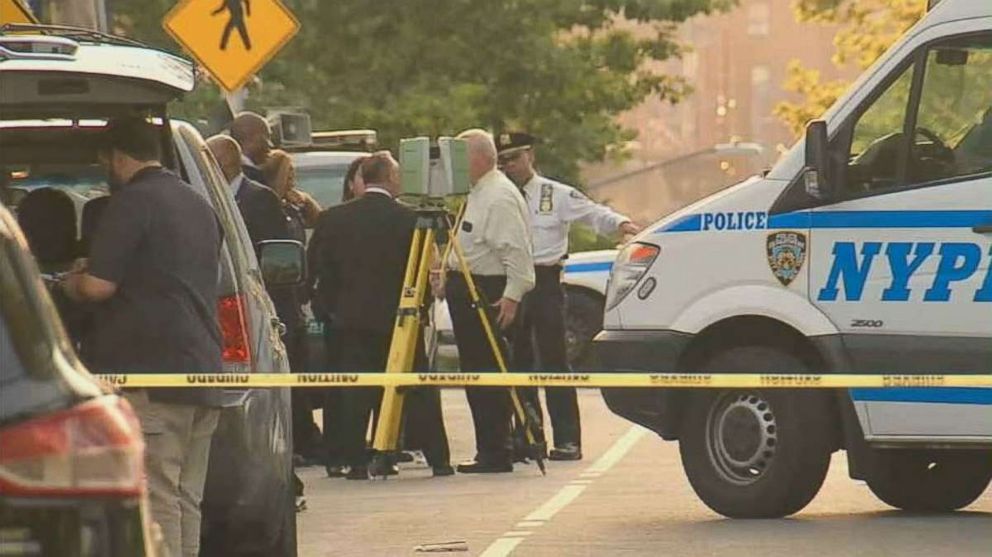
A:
563, 70
867, 29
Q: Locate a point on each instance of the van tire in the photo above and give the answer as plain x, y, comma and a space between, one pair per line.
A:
583, 321
930, 481
756, 453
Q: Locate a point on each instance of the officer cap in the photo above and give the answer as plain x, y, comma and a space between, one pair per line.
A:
513, 142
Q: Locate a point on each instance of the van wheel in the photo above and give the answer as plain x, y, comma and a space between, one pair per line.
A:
756, 453
583, 320
930, 481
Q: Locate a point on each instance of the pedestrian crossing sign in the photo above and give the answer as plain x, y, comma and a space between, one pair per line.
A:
12, 11
232, 39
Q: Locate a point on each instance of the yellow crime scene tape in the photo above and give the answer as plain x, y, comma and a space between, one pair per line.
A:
592, 380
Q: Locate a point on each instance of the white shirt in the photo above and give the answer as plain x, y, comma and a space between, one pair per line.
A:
553, 207
494, 235
236, 183
377, 189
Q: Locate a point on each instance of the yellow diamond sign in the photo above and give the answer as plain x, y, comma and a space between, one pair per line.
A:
232, 39
12, 11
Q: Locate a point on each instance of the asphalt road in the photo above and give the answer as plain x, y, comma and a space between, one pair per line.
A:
627, 497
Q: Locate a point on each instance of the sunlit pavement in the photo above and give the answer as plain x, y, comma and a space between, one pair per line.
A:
627, 497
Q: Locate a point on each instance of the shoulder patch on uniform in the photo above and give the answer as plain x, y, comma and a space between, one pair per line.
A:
547, 203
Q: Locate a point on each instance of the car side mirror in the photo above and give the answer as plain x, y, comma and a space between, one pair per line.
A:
817, 175
283, 262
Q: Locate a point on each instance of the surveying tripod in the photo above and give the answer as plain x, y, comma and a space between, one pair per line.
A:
432, 227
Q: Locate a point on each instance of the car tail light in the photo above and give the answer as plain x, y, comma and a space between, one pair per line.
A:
93, 449
630, 266
233, 328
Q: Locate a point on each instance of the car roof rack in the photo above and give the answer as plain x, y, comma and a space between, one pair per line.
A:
78, 33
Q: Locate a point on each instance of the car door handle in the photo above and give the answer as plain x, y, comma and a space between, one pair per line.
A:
982, 228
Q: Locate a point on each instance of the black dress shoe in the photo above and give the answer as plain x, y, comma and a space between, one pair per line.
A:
336, 471
568, 451
358, 473
441, 471
485, 467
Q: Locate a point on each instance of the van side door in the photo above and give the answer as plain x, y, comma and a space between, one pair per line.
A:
901, 262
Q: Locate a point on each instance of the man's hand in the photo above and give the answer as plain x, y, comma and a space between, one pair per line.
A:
629, 228
437, 283
80, 265
507, 312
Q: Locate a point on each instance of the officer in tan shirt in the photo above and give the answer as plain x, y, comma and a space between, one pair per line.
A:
495, 238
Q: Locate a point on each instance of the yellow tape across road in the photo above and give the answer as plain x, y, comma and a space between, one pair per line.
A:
678, 380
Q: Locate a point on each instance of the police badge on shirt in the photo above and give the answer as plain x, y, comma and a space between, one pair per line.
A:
546, 205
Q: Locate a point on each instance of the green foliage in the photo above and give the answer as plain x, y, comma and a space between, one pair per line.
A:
583, 238
562, 70
867, 28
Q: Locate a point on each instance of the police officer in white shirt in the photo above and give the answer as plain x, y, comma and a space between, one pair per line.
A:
553, 207
496, 242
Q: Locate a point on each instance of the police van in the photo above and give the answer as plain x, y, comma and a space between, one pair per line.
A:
866, 249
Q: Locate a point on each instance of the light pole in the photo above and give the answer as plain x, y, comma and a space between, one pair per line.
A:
90, 14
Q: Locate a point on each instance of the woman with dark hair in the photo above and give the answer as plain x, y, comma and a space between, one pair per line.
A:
354, 185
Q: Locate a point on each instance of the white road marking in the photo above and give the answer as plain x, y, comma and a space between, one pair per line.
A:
502, 547
617, 451
505, 545
557, 503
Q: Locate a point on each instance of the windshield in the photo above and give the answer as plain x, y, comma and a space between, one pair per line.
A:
324, 183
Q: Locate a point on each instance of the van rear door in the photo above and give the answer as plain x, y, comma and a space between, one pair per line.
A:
48, 76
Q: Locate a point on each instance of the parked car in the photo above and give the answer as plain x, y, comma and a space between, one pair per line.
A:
71, 454
57, 89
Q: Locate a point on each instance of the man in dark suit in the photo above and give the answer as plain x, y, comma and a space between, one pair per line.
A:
360, 260
254, 135
260, 207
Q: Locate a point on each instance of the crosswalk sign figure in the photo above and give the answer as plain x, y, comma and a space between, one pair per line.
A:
231, 39
238, 15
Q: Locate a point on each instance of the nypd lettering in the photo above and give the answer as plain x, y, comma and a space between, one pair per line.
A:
740, 220
956, 262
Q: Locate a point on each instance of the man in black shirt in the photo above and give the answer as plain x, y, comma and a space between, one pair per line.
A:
153, 274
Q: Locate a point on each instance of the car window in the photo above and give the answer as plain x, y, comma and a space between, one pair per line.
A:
30, 321
233, 252
325, 183
954, 122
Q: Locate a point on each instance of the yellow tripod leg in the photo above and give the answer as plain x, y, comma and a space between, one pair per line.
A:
518, 407
406, 333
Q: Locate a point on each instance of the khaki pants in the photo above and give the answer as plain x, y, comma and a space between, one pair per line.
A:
177, 447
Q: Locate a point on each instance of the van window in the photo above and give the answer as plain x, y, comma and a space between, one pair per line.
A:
948, 109
874, 159
954, 122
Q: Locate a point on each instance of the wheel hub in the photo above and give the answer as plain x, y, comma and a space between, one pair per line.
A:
742, 435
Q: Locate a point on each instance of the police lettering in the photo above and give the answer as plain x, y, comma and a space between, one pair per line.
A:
741, 220
951, 263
